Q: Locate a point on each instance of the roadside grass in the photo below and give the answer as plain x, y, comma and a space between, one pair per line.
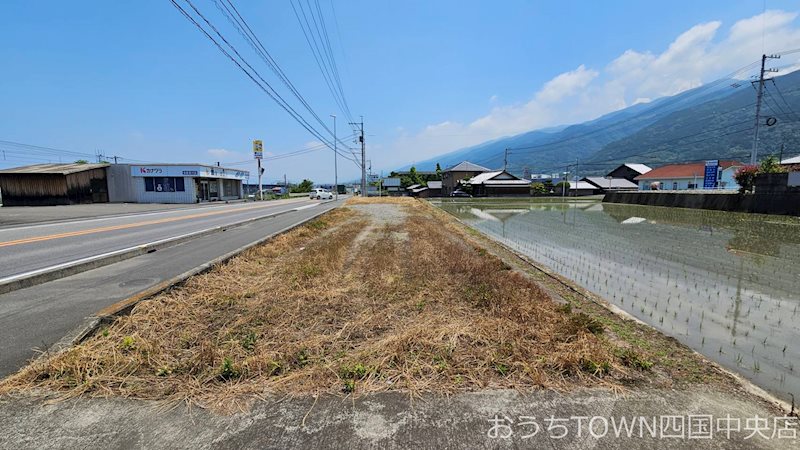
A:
346, 304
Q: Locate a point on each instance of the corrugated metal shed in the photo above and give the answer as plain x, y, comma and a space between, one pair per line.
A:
54, 184
58, 169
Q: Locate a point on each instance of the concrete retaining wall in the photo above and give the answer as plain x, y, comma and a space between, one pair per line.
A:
787, 203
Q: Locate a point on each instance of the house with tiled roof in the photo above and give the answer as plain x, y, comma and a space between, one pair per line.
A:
464, 170
686, 176
499, 183
791, 164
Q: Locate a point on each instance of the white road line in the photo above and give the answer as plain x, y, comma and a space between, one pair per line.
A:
127, 215
306, 206
115, 252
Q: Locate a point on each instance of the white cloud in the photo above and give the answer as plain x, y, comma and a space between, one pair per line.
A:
566, 84
227, 155
699, 55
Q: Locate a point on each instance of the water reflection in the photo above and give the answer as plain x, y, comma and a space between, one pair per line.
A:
726, 284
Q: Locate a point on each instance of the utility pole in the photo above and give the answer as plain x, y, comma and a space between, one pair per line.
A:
285, 185
780, 159
505, 159
363, 156
258, 153
335, 168
260, 193
759, 95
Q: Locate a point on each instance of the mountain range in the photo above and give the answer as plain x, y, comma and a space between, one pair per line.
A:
713, 121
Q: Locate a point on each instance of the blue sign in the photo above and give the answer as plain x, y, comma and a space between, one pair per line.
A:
710, 177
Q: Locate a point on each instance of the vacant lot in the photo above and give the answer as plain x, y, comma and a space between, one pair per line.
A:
378, 295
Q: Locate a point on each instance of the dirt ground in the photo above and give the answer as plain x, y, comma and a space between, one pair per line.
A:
380, 295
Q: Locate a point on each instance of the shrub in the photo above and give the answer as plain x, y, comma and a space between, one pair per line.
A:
228, 371
305, 186
538, 189
770, 164
561, 186
746, 177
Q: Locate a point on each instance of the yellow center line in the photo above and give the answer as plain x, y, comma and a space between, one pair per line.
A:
50, 237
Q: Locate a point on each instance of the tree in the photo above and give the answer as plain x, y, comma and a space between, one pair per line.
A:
305, 186
538, 189
415, 178
746, 177
562, 187
438, 171
81, 161
411, 178
770, 164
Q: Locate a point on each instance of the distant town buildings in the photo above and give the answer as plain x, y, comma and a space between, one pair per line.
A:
686, 176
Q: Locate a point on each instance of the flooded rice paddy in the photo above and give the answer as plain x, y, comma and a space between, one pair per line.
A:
725, 284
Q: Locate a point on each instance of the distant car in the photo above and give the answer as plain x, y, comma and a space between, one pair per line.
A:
459, 193
320, 194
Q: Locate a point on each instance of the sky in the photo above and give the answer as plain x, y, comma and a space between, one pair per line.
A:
139, 81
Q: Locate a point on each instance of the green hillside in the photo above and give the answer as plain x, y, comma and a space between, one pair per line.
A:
710, 122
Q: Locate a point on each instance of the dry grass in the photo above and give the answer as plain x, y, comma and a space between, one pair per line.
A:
342, 304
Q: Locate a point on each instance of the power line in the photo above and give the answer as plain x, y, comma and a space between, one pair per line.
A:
319, 57
331, 56
338, 34
674, 102
557, 166
780, 94
47, 150
241, 62
661, 144
773, 104
235, 18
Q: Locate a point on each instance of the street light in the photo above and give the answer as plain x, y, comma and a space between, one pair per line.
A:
335, 168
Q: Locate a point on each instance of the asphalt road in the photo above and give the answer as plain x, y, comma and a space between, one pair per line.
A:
31, 248
38, 316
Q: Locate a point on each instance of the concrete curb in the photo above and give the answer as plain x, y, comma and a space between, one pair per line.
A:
748, 386
90, 263
92, 323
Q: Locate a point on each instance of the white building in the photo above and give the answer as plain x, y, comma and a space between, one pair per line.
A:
680, 177
174, 183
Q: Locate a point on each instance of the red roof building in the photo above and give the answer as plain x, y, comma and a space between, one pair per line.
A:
687, 176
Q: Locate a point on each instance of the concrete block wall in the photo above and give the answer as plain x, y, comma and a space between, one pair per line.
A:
787, 203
